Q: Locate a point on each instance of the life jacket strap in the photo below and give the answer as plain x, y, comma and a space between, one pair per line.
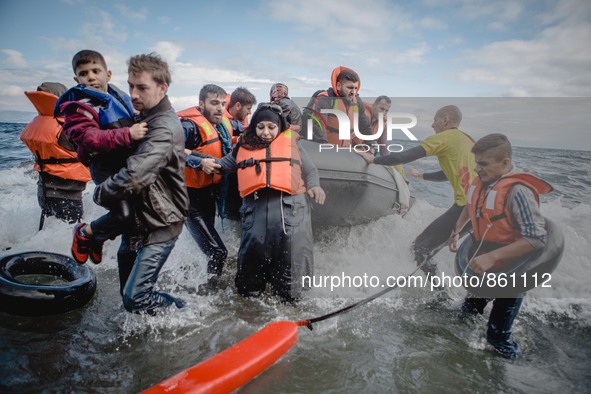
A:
53, 160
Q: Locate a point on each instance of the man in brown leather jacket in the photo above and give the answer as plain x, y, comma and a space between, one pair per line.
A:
153, 181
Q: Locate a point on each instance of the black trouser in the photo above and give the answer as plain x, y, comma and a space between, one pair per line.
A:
64, 209
435, 237
276, 245
201, 225
113, 223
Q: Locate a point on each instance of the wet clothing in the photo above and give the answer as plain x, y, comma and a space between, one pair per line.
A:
203, 200
201, 226
277, 244
453, 150
69, 210
138, 273
153, 182
520, 203
118, 220
434, 237
500, 322
62, 178
511, 204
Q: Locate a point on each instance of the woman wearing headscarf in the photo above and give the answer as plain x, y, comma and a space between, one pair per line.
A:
275, 179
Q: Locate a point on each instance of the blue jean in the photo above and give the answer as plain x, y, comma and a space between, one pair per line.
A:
138, 272
500, 321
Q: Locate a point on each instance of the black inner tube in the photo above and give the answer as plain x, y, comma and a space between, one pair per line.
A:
41, 283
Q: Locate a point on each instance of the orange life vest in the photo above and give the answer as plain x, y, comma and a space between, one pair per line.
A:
332, 122
278, 166
488, 207
211, 144
229, 116
41, 137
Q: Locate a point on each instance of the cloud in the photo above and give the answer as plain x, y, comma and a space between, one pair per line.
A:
12, 90
134, 14
555, 63
105, 27
168, 50
432, 23
348, 23
192, 75
498, 11
14, 58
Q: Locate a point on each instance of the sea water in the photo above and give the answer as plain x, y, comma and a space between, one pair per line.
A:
411, 340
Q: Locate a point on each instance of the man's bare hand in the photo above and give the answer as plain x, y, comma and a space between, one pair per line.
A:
368, 157
209, 166
317, 193
414, 172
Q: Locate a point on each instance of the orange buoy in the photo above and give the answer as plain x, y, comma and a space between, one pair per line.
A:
230, 369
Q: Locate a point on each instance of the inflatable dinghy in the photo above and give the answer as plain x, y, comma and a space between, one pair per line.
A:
356, 192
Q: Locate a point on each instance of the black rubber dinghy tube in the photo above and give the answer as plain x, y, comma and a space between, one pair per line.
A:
74, 286
531, 271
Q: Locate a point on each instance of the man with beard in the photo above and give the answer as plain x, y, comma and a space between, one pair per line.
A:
152, 182
344, 96
207, 136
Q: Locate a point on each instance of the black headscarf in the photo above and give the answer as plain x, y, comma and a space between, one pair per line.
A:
249, 139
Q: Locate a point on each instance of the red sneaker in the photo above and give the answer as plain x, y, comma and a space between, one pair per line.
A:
96, 252
80, 245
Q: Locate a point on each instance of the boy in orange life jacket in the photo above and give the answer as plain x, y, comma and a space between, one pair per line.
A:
520, 229
275, 178
62, 178
102, 140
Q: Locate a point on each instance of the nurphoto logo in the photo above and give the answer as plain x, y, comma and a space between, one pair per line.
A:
345, 131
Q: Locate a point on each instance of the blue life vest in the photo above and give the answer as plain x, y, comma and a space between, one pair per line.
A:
114, 108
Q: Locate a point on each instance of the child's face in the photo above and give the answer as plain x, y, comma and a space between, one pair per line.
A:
93, 74
266, 130
488, 168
